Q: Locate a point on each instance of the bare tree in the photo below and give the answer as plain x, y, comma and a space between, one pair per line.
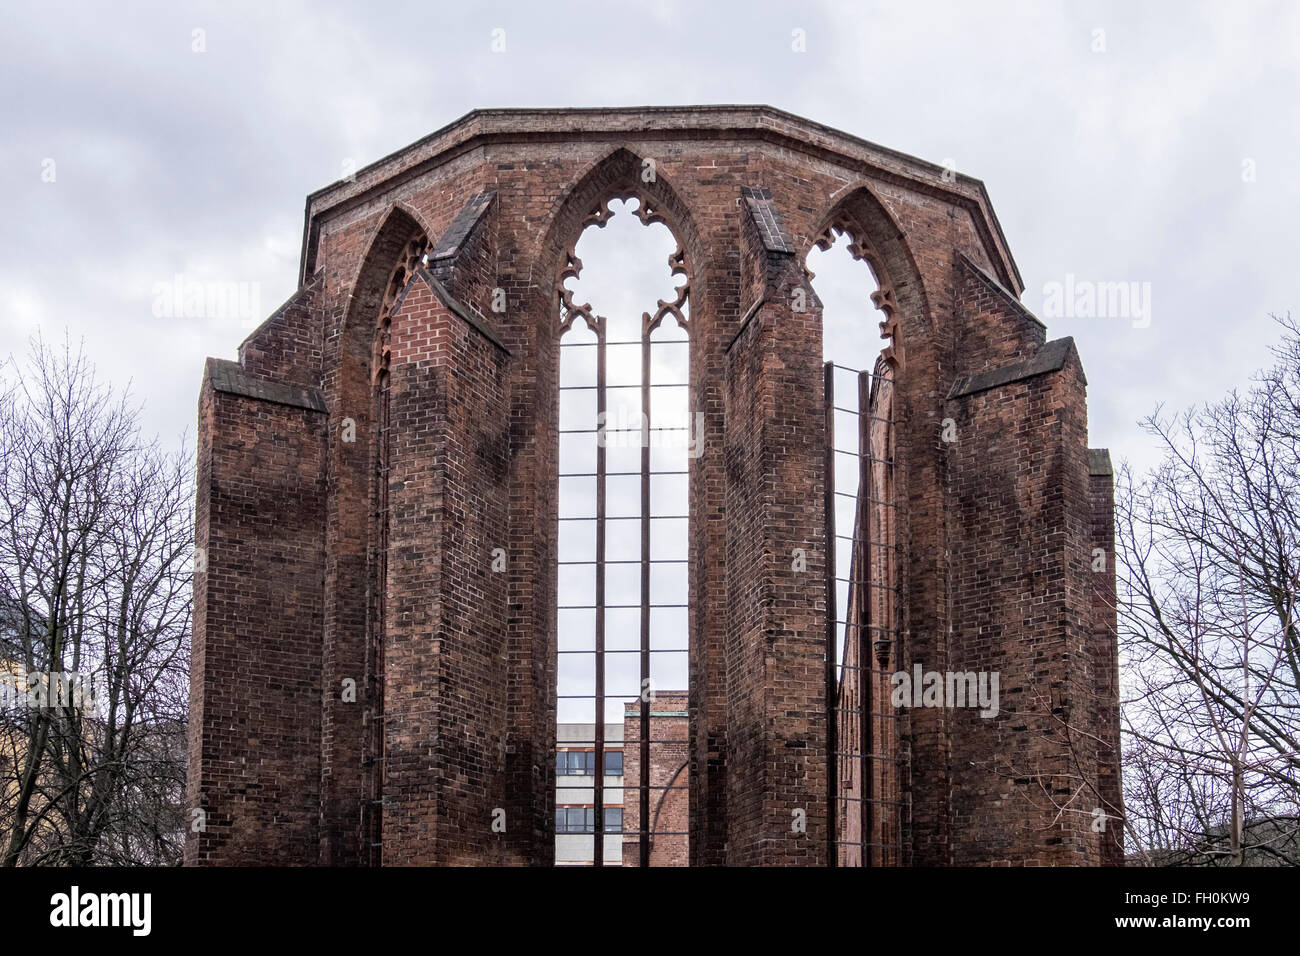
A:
1209, 579
96, 548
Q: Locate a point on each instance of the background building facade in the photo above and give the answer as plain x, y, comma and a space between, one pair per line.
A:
575, 769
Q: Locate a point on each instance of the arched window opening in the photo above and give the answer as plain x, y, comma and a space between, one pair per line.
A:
861, 575
408, 261
625, 442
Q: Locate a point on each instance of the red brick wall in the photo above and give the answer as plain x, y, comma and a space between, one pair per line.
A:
1105, 703
669, 781
287, 346
255, 671
775, 670
1021, 529
469, 665
444, 728
348, 771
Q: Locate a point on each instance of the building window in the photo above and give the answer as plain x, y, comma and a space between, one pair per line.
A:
575, 763
582, 763
583, 820
574, 820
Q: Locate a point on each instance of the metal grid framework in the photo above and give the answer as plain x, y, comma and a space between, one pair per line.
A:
865, 807
604, 522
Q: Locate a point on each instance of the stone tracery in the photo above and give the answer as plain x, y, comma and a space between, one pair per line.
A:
649, 214
860, 249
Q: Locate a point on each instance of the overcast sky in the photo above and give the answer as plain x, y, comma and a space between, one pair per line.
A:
1163, 150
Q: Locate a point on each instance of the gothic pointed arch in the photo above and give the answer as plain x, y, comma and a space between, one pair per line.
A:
353, 614
876, 239
868, 778
396, 235
620, 174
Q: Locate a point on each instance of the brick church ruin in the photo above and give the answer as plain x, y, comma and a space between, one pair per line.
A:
377, 634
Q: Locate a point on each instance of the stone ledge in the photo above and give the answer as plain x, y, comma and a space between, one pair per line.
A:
229, 377
461, 227
766, 218
1099, 462
1050, 358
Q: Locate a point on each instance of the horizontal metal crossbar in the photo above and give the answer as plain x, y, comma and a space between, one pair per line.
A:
611, 833
858, 371
629, 518
592, 388
619, 474
859, 414
592, 607
879, 587
634, 650
873, 543
610, 745
610, 697
629, 560
592, 345
858, 454
623, 431
592, 786
874, 501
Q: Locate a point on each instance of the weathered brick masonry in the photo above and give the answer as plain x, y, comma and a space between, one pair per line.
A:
669, 780
377, 508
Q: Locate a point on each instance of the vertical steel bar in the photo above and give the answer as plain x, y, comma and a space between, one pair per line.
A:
643, 795
828, 506
598, 791
866, 655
